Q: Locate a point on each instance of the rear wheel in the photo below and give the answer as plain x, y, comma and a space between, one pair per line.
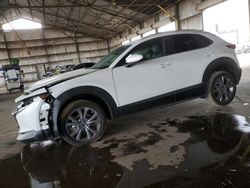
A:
82, 122
221, 88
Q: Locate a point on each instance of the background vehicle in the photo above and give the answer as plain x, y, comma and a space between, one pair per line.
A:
12, 77
158, 70
83, 65
64, 68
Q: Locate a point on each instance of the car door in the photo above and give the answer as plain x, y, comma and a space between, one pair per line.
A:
150, 77
191, 55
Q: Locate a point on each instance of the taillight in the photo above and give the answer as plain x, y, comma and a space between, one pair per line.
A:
232, 46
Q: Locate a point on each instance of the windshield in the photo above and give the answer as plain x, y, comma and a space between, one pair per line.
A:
107, 60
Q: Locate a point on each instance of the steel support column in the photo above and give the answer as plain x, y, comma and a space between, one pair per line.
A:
77, 48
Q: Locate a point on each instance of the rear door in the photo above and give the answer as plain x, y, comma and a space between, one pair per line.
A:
191, 54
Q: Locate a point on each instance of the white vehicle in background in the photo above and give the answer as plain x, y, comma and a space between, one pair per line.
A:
158, 70
13, 77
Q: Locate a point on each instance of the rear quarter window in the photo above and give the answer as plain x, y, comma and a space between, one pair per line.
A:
185, 42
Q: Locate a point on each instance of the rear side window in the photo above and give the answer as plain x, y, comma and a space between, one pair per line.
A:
185, 42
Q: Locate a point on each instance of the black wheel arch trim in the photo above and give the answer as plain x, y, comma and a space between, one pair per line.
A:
80, 93
227, 63
230, 65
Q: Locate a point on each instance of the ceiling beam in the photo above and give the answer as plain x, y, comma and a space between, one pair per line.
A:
28, 1
124, 8
72, 29
104, 10
140, 10
57, 11
75, 23
75, 5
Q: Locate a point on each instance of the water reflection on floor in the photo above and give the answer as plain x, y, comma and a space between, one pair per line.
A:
215, 154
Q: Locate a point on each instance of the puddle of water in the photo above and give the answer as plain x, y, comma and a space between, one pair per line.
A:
202, 151
12, 173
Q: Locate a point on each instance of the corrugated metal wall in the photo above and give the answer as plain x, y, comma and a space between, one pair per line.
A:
50, 48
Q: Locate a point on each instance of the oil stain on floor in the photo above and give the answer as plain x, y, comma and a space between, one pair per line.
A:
201, 151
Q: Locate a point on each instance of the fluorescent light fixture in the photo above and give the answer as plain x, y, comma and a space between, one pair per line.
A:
138, 37
169, 27
20, 24
125, 42
151, 32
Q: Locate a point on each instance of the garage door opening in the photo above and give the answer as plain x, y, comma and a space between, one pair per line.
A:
230, 21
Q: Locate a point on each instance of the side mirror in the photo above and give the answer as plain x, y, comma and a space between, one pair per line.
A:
132, 59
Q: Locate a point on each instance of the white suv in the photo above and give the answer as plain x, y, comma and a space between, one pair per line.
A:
159, 70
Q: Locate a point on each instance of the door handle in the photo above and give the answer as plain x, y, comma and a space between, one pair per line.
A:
165, 65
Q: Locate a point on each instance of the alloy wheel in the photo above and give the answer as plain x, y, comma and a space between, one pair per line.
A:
223, 88
83, 124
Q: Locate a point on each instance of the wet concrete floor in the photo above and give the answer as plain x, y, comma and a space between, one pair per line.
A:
200, 151
192, 144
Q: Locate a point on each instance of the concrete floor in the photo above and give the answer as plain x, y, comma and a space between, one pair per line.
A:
174, 146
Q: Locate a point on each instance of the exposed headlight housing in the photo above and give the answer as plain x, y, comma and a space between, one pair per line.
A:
44, 96
28, 101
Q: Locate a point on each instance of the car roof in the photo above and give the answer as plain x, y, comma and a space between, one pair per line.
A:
186, 31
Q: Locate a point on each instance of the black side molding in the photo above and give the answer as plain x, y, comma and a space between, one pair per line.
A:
185, 94
87, 92
223, 63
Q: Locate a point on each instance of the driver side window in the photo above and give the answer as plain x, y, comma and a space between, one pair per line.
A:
149, 50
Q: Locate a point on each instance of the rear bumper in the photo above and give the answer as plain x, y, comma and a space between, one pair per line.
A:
33, 121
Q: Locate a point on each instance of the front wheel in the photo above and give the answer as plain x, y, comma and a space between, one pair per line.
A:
221, 88
82, 122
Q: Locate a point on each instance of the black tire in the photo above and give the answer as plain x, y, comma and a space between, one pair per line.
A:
78, 117
221, 88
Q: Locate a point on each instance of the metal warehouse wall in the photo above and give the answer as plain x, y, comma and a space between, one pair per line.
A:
50, 48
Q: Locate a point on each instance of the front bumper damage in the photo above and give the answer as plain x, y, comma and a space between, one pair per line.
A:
33, 121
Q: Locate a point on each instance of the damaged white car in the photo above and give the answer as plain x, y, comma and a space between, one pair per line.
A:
158, 70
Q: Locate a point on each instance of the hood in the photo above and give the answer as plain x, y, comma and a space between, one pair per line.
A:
58, 78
